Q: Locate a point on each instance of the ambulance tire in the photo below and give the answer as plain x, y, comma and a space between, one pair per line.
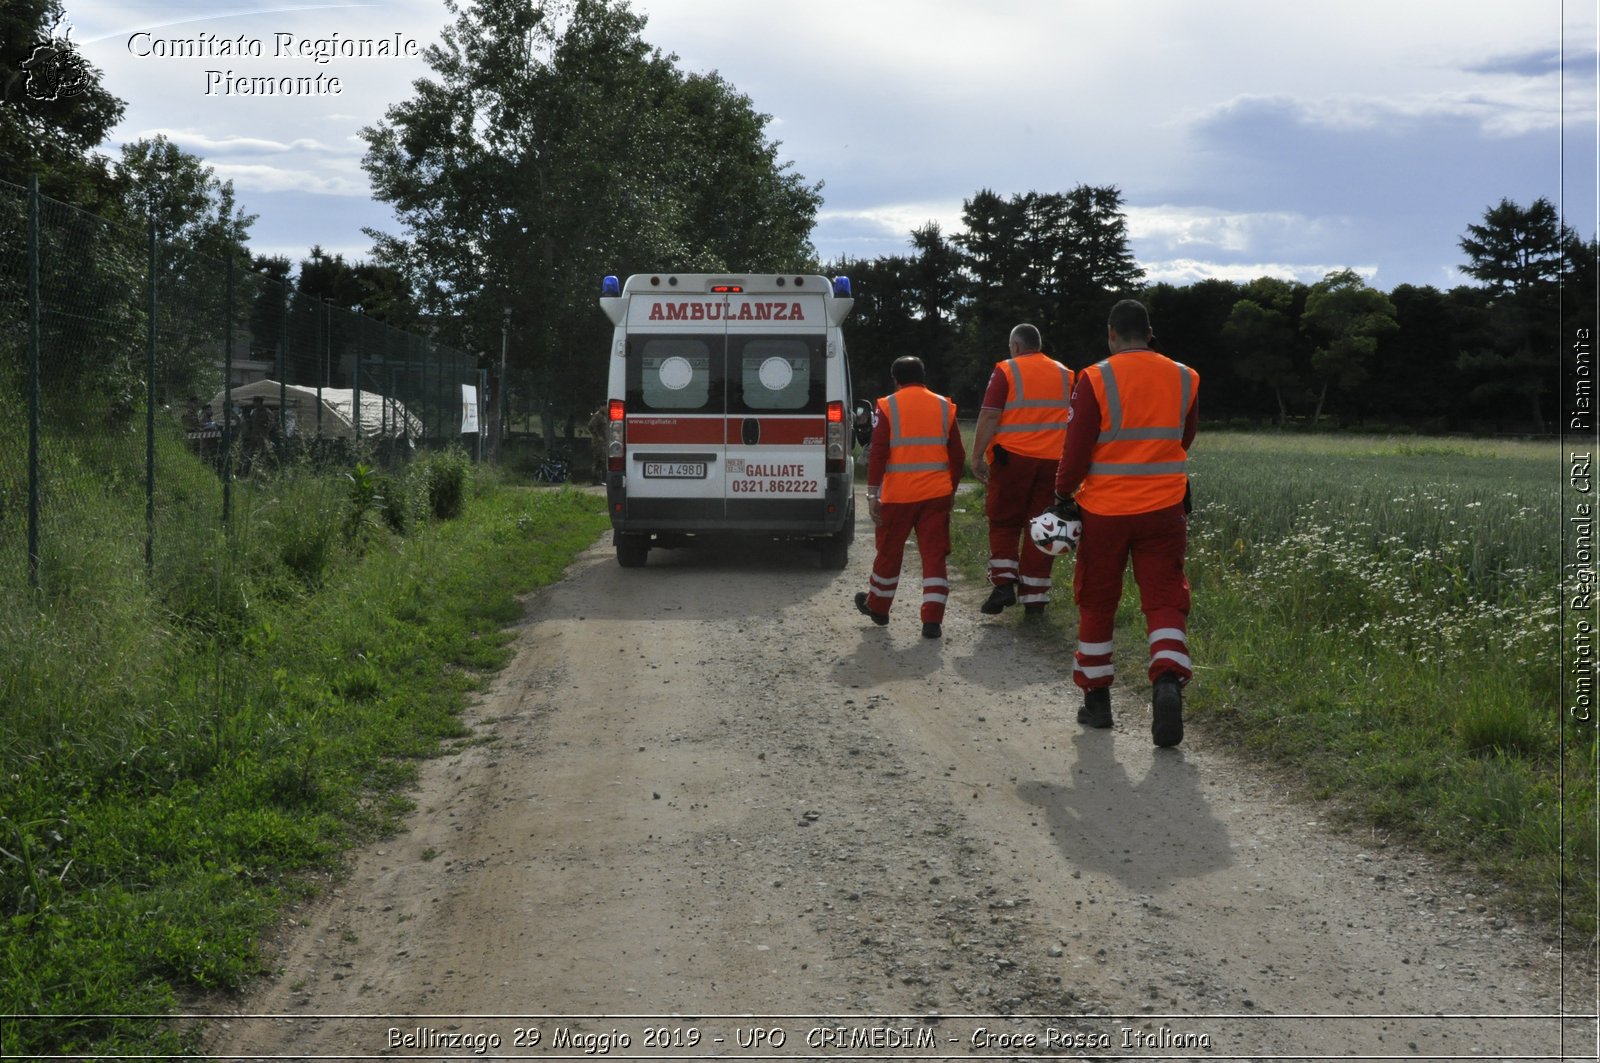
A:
632, 549
835, 553
836, 548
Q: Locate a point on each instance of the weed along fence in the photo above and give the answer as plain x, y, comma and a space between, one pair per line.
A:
130, 359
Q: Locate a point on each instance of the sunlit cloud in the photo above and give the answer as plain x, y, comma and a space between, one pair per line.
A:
1183, 271
248, 177
894, 220
202, 143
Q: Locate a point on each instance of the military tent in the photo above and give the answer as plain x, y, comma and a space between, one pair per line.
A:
380, 417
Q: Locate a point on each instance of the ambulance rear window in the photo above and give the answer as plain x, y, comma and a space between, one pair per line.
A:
776, 374
673, 373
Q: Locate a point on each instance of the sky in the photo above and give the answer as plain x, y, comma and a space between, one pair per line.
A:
1248, 138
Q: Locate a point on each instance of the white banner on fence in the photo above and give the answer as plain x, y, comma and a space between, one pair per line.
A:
469, 409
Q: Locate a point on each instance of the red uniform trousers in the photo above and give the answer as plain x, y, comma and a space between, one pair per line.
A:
1157, 542
1020, 488
930, 519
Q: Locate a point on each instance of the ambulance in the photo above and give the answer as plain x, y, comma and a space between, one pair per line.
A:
728, 411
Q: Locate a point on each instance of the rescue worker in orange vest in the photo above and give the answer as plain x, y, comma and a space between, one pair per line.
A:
1122, 473
1022, 428
914, 463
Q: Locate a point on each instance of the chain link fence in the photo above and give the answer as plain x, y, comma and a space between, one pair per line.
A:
167, 370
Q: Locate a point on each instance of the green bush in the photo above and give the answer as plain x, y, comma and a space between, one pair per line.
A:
444, 474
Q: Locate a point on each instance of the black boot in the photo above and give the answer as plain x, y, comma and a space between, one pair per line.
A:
1096, 708
861, 604
1003, 596
1166, 710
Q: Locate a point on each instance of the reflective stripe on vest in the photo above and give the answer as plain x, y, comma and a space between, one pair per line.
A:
1138, 462
1034, 420
919, 460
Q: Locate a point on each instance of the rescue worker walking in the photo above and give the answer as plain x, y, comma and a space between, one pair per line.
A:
1132, 420
1022, 428
913, 467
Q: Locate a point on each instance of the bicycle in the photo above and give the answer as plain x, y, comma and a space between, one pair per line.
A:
552, 469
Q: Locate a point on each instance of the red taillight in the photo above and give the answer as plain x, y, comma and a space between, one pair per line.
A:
616, 436
725, 288
836, 449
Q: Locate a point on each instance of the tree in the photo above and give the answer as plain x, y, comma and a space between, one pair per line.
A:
883, 316
935, 290
1052, 259
1095, 265
553, 145
200, 228
1260, 330
1516, 250
1003, 267
1518, 253
1344, 318
53, 110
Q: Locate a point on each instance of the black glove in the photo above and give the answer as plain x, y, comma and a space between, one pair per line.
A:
1067, 509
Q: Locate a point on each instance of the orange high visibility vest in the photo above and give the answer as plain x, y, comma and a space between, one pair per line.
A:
1138, 464
1034, 420
919, 445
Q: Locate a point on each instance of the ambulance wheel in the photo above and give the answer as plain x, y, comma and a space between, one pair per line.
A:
836, 547
632, 549
835, 552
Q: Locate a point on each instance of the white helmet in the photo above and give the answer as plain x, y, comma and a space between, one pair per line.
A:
1052, 534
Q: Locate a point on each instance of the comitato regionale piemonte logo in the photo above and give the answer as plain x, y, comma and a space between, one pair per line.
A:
55, 69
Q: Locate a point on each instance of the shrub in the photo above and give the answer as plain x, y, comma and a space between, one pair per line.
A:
444, 473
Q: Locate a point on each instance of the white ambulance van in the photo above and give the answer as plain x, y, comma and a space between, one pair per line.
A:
729, 400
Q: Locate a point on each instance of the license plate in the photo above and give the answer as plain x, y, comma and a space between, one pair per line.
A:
675, 470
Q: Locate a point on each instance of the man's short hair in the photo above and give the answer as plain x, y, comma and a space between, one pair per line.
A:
1027, 337
908, 369
1130, 320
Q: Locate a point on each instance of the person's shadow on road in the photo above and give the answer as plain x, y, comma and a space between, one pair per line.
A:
1147, 834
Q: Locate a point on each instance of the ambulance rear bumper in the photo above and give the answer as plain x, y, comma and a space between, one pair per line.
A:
779, 518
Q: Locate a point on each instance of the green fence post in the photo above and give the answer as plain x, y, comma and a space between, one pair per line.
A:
355, 383
150, 416
33, 381
227, 395
282, 368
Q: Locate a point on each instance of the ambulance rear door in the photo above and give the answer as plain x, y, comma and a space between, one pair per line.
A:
777, 412
676, 461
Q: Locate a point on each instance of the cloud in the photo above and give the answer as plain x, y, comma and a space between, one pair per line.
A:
1541, 62
893, 220
1184, 271
249, 177
1240, 232
201, 143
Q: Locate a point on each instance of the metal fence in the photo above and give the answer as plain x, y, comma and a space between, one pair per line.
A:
119, 345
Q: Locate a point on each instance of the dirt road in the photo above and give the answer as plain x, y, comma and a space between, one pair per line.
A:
710, 811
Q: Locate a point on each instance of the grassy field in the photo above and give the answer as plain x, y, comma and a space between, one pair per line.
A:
1380, 620
186, 753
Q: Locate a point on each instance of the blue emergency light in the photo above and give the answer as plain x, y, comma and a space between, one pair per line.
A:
841, 287
610, 286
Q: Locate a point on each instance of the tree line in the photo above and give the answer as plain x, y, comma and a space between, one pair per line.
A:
550, 144
1477, 357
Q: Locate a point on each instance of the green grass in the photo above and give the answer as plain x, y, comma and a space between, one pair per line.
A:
181, 752
1380, 619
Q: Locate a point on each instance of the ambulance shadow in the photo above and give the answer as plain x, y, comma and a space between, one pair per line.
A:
1147, 834
738, 553
753, 581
